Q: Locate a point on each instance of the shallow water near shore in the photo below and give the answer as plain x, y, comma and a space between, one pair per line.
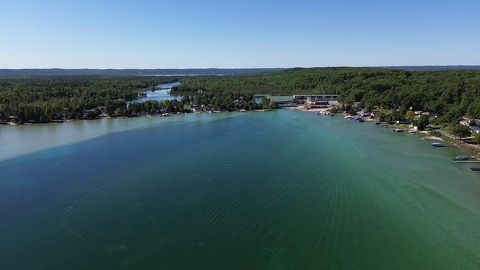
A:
26, 139
276, 190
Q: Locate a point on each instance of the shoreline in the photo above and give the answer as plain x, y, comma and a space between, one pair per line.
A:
468, 149
18, 141
471, 149
158, 115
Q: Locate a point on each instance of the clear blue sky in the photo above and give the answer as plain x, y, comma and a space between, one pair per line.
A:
214, 33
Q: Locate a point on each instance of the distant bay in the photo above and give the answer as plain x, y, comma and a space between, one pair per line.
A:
160, 94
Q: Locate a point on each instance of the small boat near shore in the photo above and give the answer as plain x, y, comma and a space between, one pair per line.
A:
397, 130
437, 144
463, 158
359, 120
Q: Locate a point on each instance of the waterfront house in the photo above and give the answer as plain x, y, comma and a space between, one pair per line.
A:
466, 121
313, 102
469, 121
281, 101
356, 105
303, 98
364, 113
403, 122
475, 129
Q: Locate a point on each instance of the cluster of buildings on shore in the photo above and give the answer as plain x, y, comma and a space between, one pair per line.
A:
472, 124
309, 101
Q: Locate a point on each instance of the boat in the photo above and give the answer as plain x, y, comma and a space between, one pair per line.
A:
348, 117
359, 120
412, 131
475, 169
463, 158
437, 144
397, 130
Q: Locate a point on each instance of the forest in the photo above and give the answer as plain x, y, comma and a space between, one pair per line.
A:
46, 99
446, 94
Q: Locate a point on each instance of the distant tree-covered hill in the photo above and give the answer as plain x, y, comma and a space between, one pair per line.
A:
57, 72
131, 72
434, 68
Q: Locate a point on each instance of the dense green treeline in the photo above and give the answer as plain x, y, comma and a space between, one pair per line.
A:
449, 94
45, 99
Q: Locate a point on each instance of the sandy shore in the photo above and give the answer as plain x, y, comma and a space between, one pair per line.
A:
425, 135
434, 138
304, 109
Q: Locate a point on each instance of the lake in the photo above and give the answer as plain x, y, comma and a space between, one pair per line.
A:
275, 190
160, 93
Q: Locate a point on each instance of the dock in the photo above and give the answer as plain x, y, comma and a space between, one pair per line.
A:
467, 161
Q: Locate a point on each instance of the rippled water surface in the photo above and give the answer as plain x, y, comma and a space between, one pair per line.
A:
278, 190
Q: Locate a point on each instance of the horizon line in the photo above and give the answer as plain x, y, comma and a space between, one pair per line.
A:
233, 68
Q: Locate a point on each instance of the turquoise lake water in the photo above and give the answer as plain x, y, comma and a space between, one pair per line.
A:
276, 190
